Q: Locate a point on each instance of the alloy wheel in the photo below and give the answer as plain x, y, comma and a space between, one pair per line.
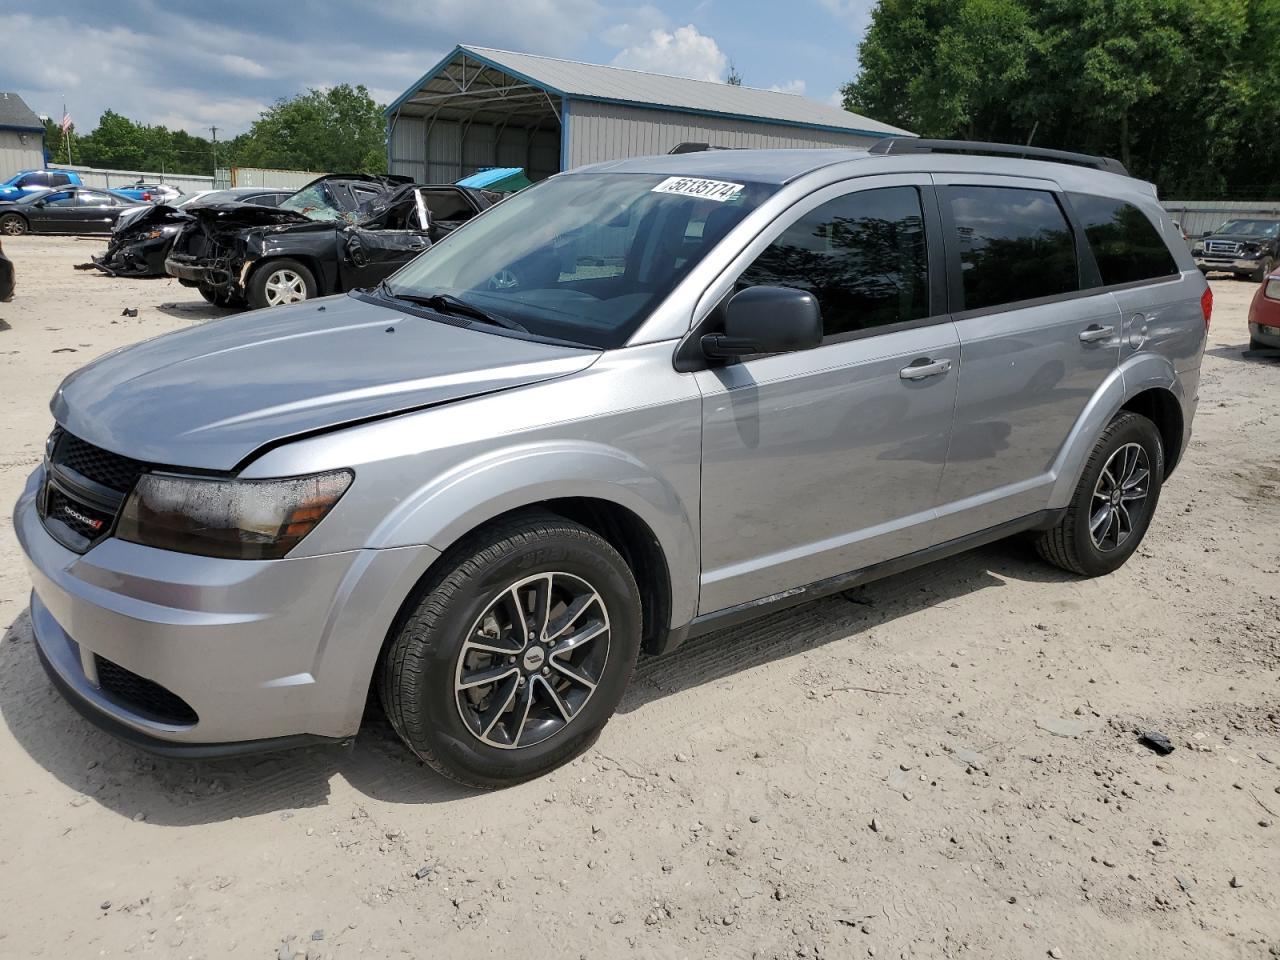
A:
1119, 497
284, 286
532, 660
13, 226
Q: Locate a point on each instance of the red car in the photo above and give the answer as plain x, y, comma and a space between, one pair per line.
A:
1264, 314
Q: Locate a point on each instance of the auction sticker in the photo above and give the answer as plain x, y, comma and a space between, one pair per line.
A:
717, 190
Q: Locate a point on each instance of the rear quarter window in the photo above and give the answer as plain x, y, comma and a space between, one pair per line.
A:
1125, 243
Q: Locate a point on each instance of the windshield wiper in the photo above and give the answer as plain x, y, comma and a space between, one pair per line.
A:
448, 303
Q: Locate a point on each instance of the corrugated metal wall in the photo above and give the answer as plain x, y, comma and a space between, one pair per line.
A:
265, 177
606, 131
1199, 216
442, 156
19, 151
98, 177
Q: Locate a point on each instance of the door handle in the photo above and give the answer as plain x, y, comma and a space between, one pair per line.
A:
924, 368
1094, 333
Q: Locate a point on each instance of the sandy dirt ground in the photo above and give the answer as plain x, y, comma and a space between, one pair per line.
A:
942, 766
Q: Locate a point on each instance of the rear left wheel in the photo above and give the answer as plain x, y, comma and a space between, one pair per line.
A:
1113, 503
517, 653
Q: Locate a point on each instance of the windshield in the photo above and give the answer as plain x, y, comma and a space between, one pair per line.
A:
1250, 228
316, 202
582, 257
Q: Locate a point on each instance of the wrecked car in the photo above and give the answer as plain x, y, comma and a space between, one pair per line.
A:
142, 238
340, 232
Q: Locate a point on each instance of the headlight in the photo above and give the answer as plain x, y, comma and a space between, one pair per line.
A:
1197, 250
1272, 289
233, 519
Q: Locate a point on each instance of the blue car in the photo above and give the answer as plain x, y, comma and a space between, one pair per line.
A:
31, 181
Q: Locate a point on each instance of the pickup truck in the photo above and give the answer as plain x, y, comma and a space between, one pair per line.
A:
29, 181
1247, 248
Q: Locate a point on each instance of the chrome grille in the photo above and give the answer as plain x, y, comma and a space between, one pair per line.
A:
1230, 247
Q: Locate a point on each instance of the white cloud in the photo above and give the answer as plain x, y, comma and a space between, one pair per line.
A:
856, 13
637, 27
683, 52
836, 99
791, 86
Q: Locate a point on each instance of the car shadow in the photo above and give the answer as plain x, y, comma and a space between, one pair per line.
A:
1243, 354
129, 782
196, 310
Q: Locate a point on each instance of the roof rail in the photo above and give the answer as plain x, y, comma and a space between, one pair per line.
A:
692, 146
899, 145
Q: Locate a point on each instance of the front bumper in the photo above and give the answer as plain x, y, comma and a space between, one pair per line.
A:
265, 653
196, 271
1228, 264
1266, 335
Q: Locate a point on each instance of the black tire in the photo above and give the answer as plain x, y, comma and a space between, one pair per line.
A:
1264, 268
1255, 344
1070, 545
426, 653
257, 290
13, 225
219, 298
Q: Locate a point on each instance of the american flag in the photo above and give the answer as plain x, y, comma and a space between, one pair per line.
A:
65, 125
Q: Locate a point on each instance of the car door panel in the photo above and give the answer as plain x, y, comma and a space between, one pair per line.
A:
1029, 370
56, 213
370, 256
96, 212
821, 462
1025, 379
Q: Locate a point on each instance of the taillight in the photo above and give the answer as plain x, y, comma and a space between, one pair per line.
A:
146, 196
1206, 306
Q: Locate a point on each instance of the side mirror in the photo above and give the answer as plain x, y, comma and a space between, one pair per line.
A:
37, 203
766, 320
1207, 233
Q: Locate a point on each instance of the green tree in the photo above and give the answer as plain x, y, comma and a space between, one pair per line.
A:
1179, 90
338, 129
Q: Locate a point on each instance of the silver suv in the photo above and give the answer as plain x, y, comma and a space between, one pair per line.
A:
632, 404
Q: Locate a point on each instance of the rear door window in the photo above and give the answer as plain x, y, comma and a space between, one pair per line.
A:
1125, 243
863, 256
1014, 245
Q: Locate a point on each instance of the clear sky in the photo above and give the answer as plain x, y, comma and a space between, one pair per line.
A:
194, 65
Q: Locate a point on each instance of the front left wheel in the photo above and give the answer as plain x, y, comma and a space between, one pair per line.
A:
278, 282
516, 653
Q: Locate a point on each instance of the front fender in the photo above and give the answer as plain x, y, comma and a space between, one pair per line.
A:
450, 505
1135, 375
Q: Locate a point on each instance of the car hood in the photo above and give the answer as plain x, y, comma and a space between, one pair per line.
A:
209, 396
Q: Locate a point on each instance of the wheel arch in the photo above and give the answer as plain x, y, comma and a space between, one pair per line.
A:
1147, 384
1161, 407
622, 528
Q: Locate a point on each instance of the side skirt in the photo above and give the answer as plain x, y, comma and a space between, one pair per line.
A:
744, 612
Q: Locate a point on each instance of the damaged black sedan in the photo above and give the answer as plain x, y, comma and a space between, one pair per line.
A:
142, 238
338, 233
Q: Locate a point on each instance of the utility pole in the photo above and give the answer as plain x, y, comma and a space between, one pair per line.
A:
214, 131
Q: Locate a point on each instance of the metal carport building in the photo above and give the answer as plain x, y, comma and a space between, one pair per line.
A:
480, 107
